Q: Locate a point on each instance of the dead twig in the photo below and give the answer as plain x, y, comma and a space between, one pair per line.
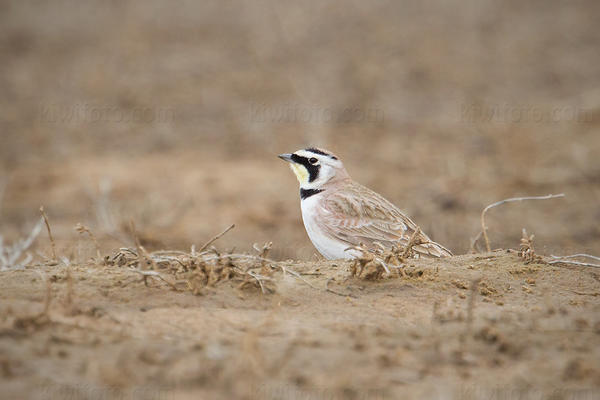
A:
153, 274
583, 255
49, 233
262, 254
413, 241
526, 249
11, 255
513, 199
141, 250
569, 260
300, 277
81, 229
260, 278
211, 241
172, 252
142, 253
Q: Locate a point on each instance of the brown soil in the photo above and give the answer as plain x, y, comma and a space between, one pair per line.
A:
218, 78
468, 327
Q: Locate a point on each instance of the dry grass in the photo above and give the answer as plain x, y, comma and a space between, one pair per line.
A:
484, 228
52, 243
526, 249
571, 259
207, 267
460, 338
15, 255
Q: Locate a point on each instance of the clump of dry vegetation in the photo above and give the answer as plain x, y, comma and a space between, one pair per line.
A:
526, 250
368, 266
373, 265
198, 269
207, 267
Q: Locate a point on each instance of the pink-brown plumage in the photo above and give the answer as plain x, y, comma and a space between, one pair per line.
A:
339, 213
355, 214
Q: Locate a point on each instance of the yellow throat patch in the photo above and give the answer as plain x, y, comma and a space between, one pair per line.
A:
301, 172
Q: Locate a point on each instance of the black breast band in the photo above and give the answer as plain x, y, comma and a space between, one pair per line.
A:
306, 193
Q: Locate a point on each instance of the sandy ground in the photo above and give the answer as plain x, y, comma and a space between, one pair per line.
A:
170, 116
523, 331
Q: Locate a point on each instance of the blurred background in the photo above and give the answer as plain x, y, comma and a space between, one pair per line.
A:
171, 115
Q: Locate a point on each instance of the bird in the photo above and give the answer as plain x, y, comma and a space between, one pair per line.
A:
343, 218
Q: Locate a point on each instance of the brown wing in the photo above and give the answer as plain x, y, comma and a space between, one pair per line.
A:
358, 215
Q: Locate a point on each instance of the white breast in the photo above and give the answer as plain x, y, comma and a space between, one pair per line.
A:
330, 248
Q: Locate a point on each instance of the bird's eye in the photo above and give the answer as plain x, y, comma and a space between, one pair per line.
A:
313, 160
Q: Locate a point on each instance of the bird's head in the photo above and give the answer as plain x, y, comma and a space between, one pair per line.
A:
315, 167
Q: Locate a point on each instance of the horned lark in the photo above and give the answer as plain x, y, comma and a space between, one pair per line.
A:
340, 214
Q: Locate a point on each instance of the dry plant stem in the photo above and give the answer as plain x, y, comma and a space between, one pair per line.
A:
168, 252
411, 242
154, 274
582, 264
485, 210
133, 232
384, 265
147, 256
142, 252
578, 255
211, 241
10, 255
526, 248
298, 276
240, 256
81, 229
259, 279
49, 233
568, 260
